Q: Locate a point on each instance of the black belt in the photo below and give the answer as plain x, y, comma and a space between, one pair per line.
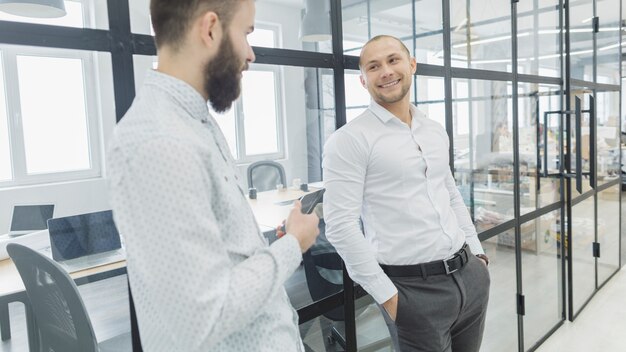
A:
437, 267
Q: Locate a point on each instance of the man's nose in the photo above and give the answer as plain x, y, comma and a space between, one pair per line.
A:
250, 57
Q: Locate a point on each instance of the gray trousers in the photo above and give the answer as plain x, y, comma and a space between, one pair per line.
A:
442, 313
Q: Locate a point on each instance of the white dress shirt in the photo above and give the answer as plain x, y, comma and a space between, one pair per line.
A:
397, 179
202, 275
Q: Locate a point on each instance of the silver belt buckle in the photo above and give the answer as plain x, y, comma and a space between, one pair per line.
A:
447, 267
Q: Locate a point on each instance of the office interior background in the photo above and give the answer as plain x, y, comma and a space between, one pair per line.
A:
529, 92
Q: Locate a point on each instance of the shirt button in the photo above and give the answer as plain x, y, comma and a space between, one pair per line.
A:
226, 178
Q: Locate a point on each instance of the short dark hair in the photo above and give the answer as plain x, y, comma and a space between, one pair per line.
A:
385, 36
171, 18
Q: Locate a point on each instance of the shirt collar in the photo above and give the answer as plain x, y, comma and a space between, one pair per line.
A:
385, 116
184, 94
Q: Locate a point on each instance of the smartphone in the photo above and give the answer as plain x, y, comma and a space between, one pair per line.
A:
310, 200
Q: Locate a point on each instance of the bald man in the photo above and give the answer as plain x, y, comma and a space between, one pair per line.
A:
419, 255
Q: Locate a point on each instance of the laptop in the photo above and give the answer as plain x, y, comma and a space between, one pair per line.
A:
30, 218
85, 241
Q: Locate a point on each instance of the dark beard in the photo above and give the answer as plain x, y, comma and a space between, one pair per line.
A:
222, 80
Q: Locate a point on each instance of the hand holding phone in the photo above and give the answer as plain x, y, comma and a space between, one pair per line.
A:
310, 200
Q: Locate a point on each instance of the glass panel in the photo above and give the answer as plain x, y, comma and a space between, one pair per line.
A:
56, 135
6, 170
363, 20
541, 276
259, 98
608, 54
538, 190
140, 17
538, 38
608, 232
319, 334
585, 149
73, 17
310, 119
372, 333
583, 263
501, 323
430, 98
481, 35
357, 97
581, 39
608, 162
483, 149
299, 25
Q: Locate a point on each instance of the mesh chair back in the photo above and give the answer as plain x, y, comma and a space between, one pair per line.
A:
59, 311
265, 175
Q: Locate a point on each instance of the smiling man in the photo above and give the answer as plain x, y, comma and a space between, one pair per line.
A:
419, 256
202, 275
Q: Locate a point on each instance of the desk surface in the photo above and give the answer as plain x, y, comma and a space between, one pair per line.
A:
268, 209
12, 282
272, 207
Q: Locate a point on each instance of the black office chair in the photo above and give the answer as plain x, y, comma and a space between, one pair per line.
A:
324, 277
265, 175
60, 314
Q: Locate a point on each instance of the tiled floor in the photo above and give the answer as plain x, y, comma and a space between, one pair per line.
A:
599, 327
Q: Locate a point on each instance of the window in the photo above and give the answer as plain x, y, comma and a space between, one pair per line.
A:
48, 115
253, 127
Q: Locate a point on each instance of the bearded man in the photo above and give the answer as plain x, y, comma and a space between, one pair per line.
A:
202, 275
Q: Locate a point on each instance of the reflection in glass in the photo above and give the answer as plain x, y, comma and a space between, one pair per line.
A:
609, 52
538, 38
290, 21
316, 334
430, 98
481, 35
608, 232
483, 149
363, 20
539, 184
581, 39
501, 323
56, 137
541, 276
607, 136
357, 97
583, 262
585, 146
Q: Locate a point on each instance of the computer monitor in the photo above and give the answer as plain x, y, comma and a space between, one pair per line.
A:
81, 235
30, 218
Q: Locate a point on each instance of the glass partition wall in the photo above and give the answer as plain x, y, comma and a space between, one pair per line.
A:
528, 91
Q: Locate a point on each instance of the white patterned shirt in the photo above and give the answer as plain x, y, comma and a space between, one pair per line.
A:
397, 179
202, 275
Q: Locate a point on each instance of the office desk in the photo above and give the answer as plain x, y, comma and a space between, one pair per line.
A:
270, 209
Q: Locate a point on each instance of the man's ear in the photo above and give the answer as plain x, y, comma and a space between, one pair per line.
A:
413, 65
362, 81
210, 29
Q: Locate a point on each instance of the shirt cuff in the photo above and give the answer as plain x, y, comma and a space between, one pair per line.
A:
380, 288
474, 245
287, 252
